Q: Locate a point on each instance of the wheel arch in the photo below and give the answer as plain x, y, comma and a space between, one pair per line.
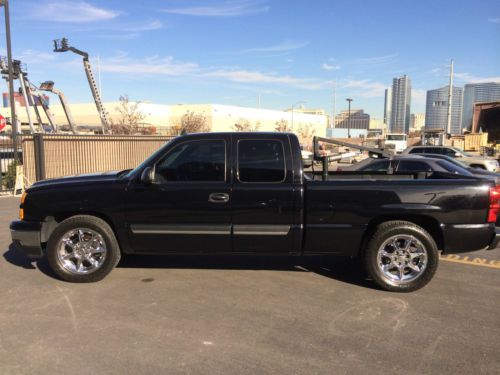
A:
51, 222
430, 224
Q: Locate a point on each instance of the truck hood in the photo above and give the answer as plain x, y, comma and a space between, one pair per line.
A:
104, 177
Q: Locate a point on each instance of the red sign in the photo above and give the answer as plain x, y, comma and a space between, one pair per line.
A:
3, 122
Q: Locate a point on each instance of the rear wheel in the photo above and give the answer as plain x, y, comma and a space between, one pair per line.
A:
401, 256
83, 249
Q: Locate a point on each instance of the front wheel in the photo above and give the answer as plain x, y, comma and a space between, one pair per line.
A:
83, 249
401, 256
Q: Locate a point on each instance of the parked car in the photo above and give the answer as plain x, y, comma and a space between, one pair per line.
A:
7, 158
409, 163
480, 173
488, 164
245, 193
307, 158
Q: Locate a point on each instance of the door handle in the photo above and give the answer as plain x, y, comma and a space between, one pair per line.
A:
218, 198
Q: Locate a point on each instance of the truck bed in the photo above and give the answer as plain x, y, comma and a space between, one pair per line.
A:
340, 210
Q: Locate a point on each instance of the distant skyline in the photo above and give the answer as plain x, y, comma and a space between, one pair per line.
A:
232, 51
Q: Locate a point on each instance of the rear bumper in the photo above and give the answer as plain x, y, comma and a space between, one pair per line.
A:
461, 238
26, 238
496, 239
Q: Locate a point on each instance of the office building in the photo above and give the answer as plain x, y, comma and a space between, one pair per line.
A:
401, 105
478, 93
359, 119
436, 109
417, 121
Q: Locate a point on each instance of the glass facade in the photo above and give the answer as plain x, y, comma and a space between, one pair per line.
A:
436, 109
401, 105
478, 93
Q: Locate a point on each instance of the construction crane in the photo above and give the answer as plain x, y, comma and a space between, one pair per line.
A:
29, 93
61, 45
49, 86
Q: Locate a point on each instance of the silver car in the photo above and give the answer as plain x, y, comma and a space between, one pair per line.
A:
473, 161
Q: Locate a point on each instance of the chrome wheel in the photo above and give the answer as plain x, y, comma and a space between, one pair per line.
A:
402, 259
81, 251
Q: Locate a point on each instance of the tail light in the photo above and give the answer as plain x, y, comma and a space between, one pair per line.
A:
339, 169
494, 204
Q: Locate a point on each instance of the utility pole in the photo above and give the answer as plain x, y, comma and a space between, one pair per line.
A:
450, 99
334, 103
349, 100
293, 109
13, 117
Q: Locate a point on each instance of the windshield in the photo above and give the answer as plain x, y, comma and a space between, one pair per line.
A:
395, 137
462, 152
452, 168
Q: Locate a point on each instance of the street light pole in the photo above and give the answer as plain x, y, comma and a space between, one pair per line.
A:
293, 108
13, 117
349, 100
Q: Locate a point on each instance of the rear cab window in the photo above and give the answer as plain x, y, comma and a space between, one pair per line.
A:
261, 160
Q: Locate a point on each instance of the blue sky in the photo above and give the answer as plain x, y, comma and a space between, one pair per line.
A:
232, 51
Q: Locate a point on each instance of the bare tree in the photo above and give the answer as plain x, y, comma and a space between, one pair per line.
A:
130, 118
190, 123
282, 126
306, 134
243, 125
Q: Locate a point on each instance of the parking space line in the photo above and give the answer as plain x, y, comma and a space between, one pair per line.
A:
482, 262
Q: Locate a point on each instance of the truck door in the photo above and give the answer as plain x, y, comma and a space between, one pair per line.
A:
264, 211
188, 207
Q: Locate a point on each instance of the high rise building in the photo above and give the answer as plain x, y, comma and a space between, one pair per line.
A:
387, 107
401, 105
436, 109
417, 121
478, 93
359, 119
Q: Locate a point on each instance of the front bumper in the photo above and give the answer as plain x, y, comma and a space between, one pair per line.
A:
26, 238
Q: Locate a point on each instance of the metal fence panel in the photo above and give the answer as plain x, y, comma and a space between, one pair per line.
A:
75, 154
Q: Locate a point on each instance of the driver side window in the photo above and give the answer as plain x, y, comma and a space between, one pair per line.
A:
193, 161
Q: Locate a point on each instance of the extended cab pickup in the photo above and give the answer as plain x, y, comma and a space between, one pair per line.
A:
247, 193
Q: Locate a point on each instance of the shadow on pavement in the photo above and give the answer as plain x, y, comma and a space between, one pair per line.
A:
341, 269
19, 259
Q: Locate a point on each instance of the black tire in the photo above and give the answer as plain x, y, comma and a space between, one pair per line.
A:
384, 232
96, 224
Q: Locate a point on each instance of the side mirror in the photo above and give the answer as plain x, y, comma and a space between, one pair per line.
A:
147, 176
458, 155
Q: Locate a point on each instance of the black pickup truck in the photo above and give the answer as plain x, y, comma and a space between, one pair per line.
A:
247, 193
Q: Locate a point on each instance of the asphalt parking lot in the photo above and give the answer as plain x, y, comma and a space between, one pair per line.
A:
253, 315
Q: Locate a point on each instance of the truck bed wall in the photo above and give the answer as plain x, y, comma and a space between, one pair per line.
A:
338, 212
